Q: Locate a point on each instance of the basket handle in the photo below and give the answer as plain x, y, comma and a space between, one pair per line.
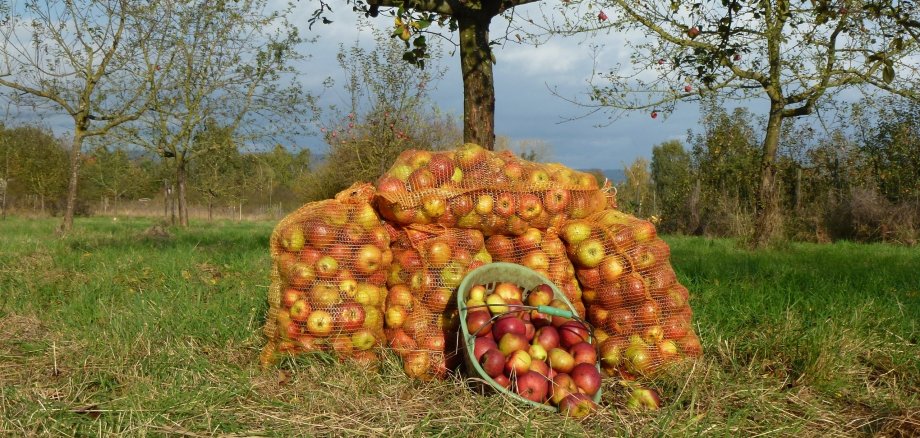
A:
554, 311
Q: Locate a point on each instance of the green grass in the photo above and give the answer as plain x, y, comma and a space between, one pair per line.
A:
111, 331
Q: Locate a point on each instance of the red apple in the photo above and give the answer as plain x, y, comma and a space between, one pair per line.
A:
469, 155
587, 378
438, 253
532, 386
508, 291
442, 167
492, 362
644, 398
541, 295
422, 179
690, 345
589, 278
369, 259
396, 316
483, 344
517, 363
319, 234
324, 295
390, 185
434, 205
505, 205
536, 260
612, 267
693, 32
575, 231
529, 206
461, 205
327, 266
573, 332
633, 288
511, 342
584, 352
539, 366
479, 323
300, 310
508, 325
500, 247
529, 240
620, 321
503, 381
560, 360
556, 200
349, 316
560, 387
290, 296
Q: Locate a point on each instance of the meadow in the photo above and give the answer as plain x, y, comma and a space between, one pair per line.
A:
114, 330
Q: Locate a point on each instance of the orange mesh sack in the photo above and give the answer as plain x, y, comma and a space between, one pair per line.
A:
640, 312
330, 260
422, 320
473, 188
542, 252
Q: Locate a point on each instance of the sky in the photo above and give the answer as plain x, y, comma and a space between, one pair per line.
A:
526, 107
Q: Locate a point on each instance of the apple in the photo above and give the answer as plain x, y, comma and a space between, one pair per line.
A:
319, 323
481, 256
620, 321
693, 32
438, 253
612, 267
644, 231
416, 364
396, 316
483, 344
497, 305
667, 349
508, 291
540, 320
300, 310
547, 337
541, 295
587, 378
327, 266
690, 345
363, 339
300, 274
368, 259
484, 204
590, 278
389, 185
368, 294
513, 170
577, 405
536, 260
639, 359
540, 367
573, 332
560, 360
589, 253
492, 362
292, 238
532, 386
560, 387
538, 178
529, 206
532, 238
477, 292
556, 200
289, 296
319, 234
503, 381
461, 205
511, 342
434, 205
373, 318
574, 232
452, 274
504, 204
441, 166
420, 158
399, 295
611, 352
508, 325
517, 362
559, 304
422, 179
349, 316
324, 295
469, 155
644, 398
633, 288
584, 352
675, 327
537, 352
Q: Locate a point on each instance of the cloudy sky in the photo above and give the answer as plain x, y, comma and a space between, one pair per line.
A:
526, 108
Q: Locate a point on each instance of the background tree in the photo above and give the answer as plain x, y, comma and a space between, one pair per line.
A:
673, 182
791, 53
636, 194
92, 60
35, 165
233, 69
114, 175
221, 175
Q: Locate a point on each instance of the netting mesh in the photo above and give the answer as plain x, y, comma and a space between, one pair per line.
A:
330, 260
496, 193
641, 314
422, 320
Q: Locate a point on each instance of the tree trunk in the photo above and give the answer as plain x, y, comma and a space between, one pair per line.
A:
180, 183
210, 205
75, 154
768, 218
478, 81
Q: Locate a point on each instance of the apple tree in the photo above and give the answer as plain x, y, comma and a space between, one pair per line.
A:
93, 61
793, 55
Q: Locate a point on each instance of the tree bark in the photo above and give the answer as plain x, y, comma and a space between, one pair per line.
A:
180, 183
768, 219
75, 154
478, 80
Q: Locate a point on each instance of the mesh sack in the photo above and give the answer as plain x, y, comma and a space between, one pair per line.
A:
473, 188
640, 312
542, 252
328, 282
421, 316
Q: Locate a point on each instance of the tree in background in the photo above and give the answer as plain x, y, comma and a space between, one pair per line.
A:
794, 54
635, 194
220, 175
892, 148
35, 165
113, 175
531, 149
95, 61
672, 179
277, 174
233, 68
388, 110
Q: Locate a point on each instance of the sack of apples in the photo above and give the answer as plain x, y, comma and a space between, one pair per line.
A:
640, 312
330, 262
429, 262
495, 193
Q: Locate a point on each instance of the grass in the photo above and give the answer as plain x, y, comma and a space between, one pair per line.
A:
114, 331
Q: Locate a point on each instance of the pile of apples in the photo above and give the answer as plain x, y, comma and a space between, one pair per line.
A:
544, 253
495, 193
640, 312
544, 359
331, 262
421, 313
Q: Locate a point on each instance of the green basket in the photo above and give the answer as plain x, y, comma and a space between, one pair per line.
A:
489, 275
